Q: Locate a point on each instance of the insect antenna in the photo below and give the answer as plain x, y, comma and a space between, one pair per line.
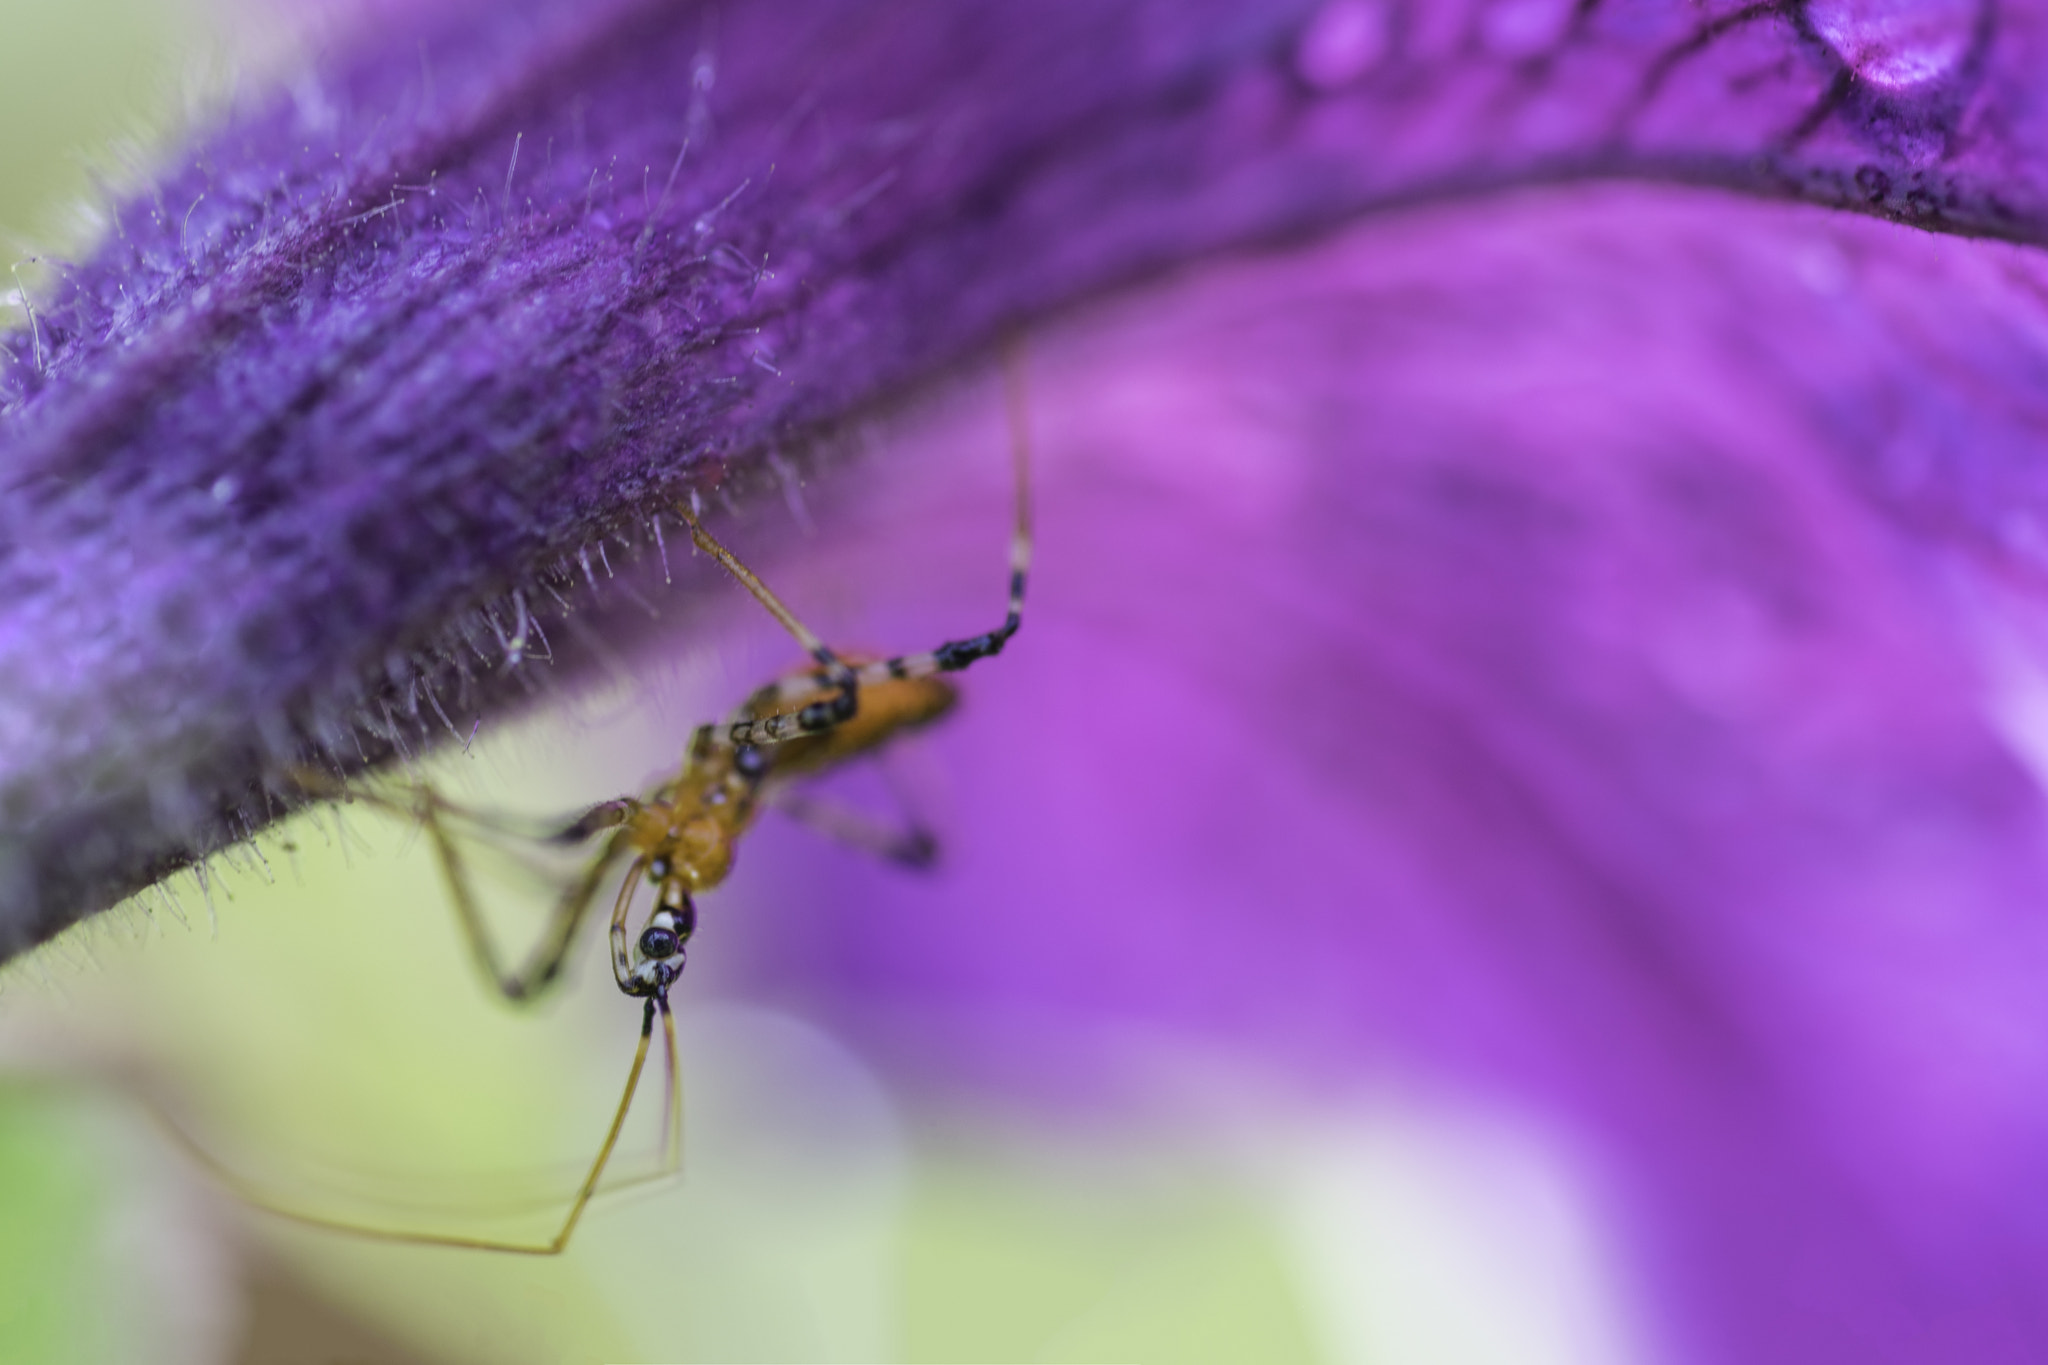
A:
672, 1096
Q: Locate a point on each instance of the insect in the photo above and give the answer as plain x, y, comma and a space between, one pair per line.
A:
679, 838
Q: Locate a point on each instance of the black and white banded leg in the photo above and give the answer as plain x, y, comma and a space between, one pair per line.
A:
835, 686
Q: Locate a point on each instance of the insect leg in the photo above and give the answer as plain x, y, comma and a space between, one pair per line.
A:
955, 655
837, 675
611, 1137
671, 1159
911, 845
544, 963
254, 1197
672, 1095
844, 682
600, 817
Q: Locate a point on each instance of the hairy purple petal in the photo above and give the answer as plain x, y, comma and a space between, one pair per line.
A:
396, 347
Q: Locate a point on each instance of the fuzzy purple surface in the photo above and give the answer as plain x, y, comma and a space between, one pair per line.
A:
396, 348
357, 373
1542, 639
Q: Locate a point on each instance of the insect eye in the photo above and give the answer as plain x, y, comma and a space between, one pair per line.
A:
658, 943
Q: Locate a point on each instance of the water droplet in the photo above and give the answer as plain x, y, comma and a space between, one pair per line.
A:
1345, 39
1897, 44
224, 488
1516, 29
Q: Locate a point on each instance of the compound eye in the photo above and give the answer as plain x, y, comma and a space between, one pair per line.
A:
659, 943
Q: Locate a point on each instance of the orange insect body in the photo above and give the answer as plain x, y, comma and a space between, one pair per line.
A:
683, 836
887, 708
692, 823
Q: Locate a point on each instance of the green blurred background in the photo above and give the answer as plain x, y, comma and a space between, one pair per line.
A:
319, 1027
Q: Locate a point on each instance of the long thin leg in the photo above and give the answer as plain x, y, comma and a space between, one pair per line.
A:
671, 1160
819, 715
912, 845
545, 960
672, 1107
834, 676
551, 1247
955, 655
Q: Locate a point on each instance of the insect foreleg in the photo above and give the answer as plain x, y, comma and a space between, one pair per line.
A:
844, 701
544, 963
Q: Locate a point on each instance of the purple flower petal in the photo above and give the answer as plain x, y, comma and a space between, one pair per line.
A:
1543, 640
1523, 646
342, 399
